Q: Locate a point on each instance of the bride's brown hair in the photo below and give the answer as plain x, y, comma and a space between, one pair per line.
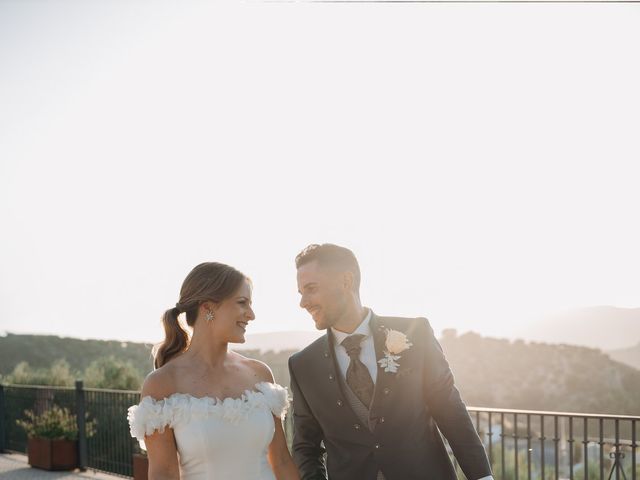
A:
210, 281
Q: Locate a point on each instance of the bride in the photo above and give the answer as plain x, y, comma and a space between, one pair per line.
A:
206, 412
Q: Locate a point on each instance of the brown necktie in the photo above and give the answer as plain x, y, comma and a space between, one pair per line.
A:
358, 376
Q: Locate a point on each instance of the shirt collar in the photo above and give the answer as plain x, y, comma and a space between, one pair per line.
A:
363, 329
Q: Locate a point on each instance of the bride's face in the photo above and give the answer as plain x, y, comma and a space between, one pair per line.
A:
233, 315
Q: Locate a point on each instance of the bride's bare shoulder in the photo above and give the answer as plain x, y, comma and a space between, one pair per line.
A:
260, 370
161, 383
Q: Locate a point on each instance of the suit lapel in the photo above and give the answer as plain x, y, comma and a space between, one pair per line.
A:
384, 381
330, 354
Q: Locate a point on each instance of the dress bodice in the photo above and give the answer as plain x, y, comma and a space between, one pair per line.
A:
216, 438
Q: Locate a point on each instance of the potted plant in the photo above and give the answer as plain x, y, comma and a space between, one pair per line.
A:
53, 438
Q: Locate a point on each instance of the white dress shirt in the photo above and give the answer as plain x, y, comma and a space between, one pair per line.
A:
367, 352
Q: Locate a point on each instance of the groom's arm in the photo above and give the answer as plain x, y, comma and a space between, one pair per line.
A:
308, 453
449, 411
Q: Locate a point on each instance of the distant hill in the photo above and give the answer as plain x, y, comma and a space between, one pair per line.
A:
277, 341
603, 327
629, 356
513, 374
41, 350
489, 372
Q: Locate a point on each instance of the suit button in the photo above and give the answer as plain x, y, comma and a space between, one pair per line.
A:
326, 354
386, 390
381, 420
356, 426
339, 403
331, 377
377, 446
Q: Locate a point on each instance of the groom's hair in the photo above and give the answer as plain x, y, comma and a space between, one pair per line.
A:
332, 256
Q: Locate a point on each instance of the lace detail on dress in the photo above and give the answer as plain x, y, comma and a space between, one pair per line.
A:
152, 415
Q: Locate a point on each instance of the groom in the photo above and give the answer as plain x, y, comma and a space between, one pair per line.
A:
374, 393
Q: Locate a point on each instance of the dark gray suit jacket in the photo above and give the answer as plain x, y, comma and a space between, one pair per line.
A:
408, 410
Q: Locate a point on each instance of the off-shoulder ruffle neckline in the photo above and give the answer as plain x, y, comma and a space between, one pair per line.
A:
244, 396
151, 414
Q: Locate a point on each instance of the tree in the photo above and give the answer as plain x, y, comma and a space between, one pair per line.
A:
110, 372
59, 375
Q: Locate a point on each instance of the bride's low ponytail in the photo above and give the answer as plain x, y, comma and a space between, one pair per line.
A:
211, 281
176, 338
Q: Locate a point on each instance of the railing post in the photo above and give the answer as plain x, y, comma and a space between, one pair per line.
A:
542, 439
3, 416
490, 435
502, 442
634, 445
515, 443
529, 449
585, 441
82, 428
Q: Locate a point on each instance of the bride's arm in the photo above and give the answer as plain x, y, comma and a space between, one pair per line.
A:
161, 447
278, 453
279, 456
163, 456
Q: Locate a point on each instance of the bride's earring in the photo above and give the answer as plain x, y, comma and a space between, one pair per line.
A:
209, 316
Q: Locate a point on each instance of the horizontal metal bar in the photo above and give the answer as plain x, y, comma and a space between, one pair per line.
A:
38, 387
556, 414
107, 390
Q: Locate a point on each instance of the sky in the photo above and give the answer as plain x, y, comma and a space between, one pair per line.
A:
480, 160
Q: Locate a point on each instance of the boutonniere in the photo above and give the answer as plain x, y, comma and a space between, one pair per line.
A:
395, 343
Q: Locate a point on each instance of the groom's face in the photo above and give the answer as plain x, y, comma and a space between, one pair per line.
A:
322, 293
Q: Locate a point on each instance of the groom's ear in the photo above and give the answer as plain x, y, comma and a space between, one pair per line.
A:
347, 280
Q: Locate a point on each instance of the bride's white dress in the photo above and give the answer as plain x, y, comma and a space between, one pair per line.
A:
216, 439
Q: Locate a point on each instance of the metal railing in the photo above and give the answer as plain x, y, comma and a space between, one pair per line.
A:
521, 444
535, 445
110, 449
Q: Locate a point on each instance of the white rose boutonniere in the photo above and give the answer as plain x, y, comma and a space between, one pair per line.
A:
396, 343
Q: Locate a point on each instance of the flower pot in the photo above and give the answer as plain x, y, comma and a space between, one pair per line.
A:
140, 467
52, 454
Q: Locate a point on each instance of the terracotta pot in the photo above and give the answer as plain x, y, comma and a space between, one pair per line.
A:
52, 454
140, 467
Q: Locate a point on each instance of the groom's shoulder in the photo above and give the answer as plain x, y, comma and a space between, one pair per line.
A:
403, 322
310, 351
410, 325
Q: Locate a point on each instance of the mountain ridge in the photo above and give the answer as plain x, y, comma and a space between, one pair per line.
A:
629, 356
605, 327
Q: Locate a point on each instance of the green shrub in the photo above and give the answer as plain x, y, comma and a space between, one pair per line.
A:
113, 373
55, 423
59, 375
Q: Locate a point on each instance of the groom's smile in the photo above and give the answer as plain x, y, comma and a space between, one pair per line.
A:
315, 314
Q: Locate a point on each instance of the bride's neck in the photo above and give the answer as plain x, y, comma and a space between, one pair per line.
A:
205, 350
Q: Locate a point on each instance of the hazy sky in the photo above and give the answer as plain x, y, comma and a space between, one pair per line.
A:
481, 160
